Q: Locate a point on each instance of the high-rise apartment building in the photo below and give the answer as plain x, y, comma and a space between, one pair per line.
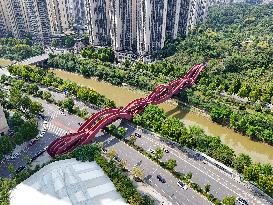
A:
141, 25
78, 12
60, 15
13, 17
22, 17
98, 21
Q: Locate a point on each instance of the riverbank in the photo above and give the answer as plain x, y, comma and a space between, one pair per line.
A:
260, 152
4, 62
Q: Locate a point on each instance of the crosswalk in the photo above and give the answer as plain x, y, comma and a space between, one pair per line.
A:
56, 130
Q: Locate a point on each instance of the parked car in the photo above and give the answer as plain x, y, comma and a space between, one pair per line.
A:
138, 135
241, 201
151, 150
37, 155
14, 156
161, 179
182, 185
166, 150
42, 133
117, 159
104, 150
21, 168
80, 123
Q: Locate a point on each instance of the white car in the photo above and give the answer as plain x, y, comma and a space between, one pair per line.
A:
151, 150
42, 133
182, 185
14, 156
45, 122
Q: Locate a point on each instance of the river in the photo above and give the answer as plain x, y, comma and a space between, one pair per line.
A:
259, 152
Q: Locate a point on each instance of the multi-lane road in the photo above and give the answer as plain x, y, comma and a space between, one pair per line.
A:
221, 183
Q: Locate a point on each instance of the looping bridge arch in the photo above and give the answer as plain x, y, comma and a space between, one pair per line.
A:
88, 130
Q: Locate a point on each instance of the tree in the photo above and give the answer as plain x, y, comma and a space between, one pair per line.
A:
11, 168
241, 161
68, 104
138, 173
171, 164
35, 108
252, 172
87, 152
158, 154
229, 200
188, 176
207, 188
123, 164
121, 132
111, 153
132, 139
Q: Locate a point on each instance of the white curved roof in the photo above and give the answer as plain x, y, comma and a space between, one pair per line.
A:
67, 182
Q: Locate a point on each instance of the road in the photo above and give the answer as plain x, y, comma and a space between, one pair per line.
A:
170, 189
221, 183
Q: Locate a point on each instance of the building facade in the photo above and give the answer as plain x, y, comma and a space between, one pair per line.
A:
98, 20
141, 26
60, 15
23, 17
3, 122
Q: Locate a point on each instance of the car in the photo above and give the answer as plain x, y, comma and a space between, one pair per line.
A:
14, 156
37, 155
166, 150
117, 158
151, 150
182, 185
42, 116
80, 123
241, 201
138, 135
42, 134
21, 168
45, 148
62, 113
161, 179
45, 122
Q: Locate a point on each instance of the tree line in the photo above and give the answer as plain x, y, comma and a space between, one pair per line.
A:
44, 77
18, 49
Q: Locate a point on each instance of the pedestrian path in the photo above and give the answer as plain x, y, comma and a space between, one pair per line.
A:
56, 130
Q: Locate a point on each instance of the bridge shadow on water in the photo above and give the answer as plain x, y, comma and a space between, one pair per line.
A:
179, 112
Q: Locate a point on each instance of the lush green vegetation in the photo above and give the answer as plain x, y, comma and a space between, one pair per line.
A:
141, 75
18, 49
44, 77
103, 54
156, 120
236, 40
21, 115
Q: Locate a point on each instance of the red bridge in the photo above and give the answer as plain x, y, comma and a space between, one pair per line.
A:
87, 132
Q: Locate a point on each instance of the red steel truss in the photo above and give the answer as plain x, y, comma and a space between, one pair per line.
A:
87, 132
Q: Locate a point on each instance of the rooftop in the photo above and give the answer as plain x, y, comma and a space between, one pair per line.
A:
67, 182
